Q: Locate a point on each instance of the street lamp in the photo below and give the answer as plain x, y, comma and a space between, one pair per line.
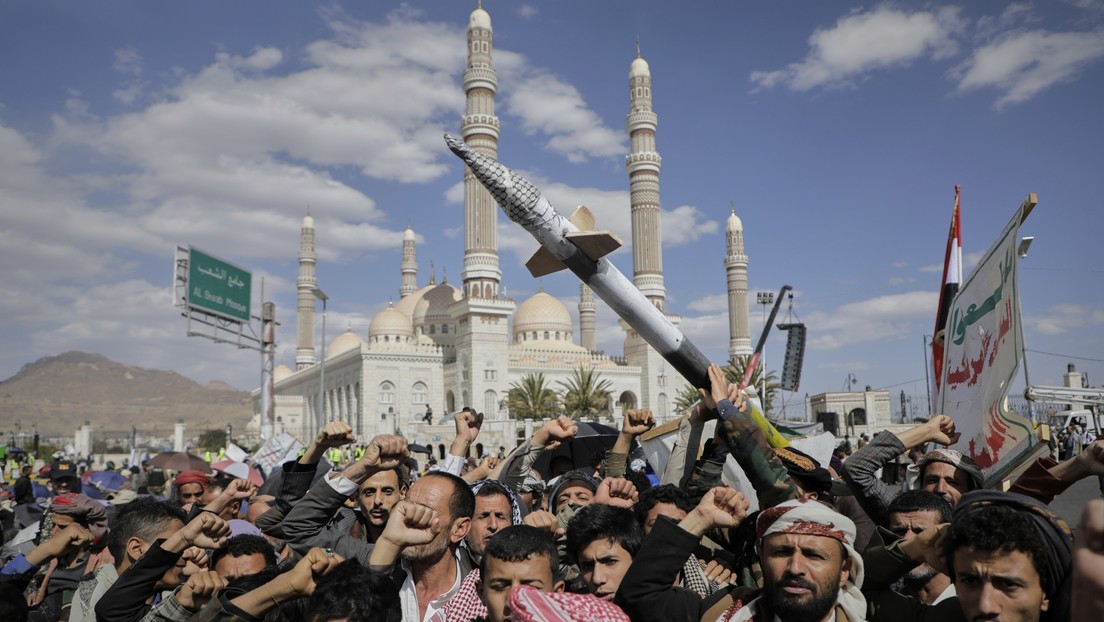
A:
766, 299
229, 434
321, 295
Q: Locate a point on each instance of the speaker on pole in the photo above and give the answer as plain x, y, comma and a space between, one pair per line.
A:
795, 355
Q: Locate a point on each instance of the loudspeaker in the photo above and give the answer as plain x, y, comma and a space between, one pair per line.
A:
795, 355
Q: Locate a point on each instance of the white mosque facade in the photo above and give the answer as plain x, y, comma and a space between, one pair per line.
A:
447, 347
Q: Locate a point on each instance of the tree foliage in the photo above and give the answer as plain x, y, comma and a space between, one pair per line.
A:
532, 398
211, 440
688, 395
586, 393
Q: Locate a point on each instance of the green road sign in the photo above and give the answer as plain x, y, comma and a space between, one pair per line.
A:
218, 287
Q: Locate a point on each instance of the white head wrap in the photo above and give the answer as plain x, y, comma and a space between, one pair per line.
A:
816, 519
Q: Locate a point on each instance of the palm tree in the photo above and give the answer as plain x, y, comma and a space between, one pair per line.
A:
532, 398
688, 395
686, 398
735, 372
586, 393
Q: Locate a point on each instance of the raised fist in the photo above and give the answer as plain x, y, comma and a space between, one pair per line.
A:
468, 424
207, 530
385, 452
303, 577
545, 521
941, 429
616, 491
335, 434
557, 430
722, 507
411, 524
197, 590
637, 422
239, 489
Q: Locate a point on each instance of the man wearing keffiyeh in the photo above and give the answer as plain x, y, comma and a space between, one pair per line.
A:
811, 570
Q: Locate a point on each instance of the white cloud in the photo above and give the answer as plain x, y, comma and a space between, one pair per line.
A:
1063, 317
527, 11
262, 59
1023, 64
881, 318
863, 42
715, 303
901, 280
548, 105
685, 224
128, 61
969, 260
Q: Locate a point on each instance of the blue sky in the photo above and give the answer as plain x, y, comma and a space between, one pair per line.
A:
837, 131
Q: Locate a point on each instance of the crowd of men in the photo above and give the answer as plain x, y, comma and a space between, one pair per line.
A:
381, 539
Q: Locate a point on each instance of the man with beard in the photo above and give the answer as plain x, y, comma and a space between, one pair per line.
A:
910, 514
378, 482
419, 548
811, 571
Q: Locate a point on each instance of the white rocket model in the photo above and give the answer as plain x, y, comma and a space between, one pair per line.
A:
563, 244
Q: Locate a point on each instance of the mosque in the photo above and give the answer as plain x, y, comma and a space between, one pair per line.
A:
446, 347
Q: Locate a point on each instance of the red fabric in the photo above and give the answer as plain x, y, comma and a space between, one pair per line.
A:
465, 605
528, 604
193, 477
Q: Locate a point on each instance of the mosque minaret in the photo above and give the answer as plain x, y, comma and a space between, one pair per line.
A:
586, 317
736, 265
658, 382
442, 346
409, 265
479, 128
305, 285
643, 164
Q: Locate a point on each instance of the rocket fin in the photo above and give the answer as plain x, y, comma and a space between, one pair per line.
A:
594, 244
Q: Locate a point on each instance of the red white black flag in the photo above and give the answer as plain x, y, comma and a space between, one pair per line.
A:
952, 278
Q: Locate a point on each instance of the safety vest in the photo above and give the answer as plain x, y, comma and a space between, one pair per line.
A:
359, 453
335, 455
207, 455
221, 453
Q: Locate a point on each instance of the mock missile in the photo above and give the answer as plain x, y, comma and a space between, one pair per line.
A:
584, 254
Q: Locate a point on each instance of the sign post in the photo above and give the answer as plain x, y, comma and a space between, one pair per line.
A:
218, 287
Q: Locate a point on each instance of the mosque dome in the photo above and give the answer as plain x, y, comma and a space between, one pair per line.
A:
542, 313
346, 341
390, 322
407, 303
434, 304
639, 67
281, 372
479, 18
408, 235
734, 223
308, 222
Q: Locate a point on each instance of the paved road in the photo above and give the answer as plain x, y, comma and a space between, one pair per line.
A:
1070, 503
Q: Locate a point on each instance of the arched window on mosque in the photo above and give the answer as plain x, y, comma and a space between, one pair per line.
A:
490, 402
663, 405
433, 329
387, 392
420, 393
444, 329
546, 334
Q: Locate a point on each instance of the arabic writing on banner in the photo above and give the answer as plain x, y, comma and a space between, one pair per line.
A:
981, 356
277, 450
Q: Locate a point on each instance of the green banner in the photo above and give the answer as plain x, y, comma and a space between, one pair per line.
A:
218, 287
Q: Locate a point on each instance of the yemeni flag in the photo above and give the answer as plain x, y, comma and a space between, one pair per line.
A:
952, 279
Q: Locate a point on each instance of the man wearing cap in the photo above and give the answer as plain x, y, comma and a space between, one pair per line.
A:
64, 477
1009, 555
811, 570
945, 472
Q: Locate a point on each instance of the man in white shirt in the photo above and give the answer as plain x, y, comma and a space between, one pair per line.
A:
419, 546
